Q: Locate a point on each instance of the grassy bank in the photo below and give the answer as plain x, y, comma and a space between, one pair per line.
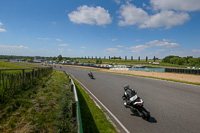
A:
43, 108
93, 118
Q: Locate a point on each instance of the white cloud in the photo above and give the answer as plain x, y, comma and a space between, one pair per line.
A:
184, 53
69, 50
131, 15
2, 30
43, 38
117, 1
63, 44
165, 18
13, 47
151, 44
90, 15
113, 50
60, 49
114, 39
59, 40
120, 46
181, 5
137, 40
138, 48
157, 43
83, 47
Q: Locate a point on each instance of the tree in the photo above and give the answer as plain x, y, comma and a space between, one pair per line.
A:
60, 58
174, 60
146, 58
131, 57
125, 57
109, 57
138, 58
193, 61
154, 58
54, 58
180, 61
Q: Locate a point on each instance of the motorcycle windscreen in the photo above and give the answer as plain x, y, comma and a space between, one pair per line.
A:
133, 98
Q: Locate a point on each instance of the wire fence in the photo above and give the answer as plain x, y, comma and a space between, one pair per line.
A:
14, 80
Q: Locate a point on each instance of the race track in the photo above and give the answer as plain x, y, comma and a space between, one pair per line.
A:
174, 107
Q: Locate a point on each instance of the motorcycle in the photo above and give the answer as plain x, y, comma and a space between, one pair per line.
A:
91, 75
136, 105
60, 66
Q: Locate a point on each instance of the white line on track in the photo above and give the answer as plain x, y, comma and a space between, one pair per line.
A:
126, 130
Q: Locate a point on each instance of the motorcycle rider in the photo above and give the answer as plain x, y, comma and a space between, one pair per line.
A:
129, 93
90, 73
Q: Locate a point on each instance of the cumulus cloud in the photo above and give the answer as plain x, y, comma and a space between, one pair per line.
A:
69, 50
165, 18
131, 15
120, 46
90, 15
114, 39
59, 40
181, 5
164, 43
1, 29
151, 44
13, 47
113, 50
83, 47
63, 44
117, 1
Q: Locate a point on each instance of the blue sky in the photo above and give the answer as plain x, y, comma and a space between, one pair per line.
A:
77, 28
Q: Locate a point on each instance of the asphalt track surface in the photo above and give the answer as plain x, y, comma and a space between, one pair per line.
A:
174, 107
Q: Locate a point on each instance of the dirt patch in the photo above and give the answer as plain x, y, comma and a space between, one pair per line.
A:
163, 75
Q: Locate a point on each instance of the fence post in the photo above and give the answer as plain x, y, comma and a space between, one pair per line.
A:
72, 87
23, 75
74, 109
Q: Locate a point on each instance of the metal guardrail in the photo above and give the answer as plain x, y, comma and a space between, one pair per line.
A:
76, 113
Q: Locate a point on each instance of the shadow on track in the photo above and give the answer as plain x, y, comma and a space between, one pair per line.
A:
151, 119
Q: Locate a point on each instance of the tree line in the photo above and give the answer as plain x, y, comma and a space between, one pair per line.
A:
189, 60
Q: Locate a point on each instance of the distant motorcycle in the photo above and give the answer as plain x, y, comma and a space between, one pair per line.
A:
136, 105
60, 66
91, 75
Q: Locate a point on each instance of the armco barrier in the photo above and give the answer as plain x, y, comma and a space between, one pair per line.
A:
75, 107
189, 71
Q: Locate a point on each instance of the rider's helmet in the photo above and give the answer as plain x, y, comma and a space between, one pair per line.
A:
126, 87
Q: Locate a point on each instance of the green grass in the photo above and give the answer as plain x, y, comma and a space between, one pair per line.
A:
44, 108
28, 64
93, 118
7, 65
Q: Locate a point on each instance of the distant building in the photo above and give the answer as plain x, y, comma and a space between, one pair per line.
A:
38, 59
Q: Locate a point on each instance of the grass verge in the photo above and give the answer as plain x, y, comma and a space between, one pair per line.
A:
44, 108
93, 118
